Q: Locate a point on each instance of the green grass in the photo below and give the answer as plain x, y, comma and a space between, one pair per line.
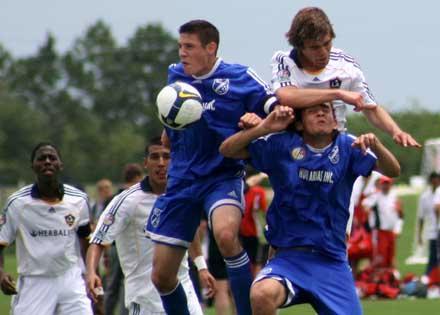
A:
377, 307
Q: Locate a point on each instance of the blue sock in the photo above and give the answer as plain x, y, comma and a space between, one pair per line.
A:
175, 302
240, 280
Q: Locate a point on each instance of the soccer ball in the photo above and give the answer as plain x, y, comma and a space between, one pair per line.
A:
179, 104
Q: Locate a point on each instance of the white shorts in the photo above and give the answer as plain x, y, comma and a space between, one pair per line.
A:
43, 295
193, 303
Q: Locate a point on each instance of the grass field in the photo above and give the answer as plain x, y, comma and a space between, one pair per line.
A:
371, 307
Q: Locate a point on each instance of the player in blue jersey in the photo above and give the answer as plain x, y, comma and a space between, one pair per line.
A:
200, 178
312, 174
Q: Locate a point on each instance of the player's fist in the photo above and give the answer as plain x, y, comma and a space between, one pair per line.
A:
249, 120
365, 142
279, 119
94, 286
7, 284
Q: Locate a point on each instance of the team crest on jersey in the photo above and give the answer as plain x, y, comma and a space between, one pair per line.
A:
298, 153
70, 219
220, 86
155, 217
335, 83
334, 155
109, 219
283, 75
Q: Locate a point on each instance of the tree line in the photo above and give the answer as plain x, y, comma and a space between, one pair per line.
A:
95, 101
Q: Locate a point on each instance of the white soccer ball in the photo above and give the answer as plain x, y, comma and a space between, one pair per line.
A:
179, 104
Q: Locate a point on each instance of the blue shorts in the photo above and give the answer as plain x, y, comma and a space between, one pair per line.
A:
310, 277
176, 214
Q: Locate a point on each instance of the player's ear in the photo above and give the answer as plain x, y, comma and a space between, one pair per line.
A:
212, 48
146, 163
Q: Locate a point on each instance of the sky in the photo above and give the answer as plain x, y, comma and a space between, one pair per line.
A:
395, 42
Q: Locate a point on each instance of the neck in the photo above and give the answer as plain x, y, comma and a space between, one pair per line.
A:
157, 188
49, 189
308, 66
318, 141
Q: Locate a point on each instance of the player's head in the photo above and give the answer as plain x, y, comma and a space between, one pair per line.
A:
46, 161
318, 120
385, 184
434, 179
104, 188
311, 33
198, 45
132, 174
156, 160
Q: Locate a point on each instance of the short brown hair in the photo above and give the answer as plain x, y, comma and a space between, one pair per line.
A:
310, 23
205, 30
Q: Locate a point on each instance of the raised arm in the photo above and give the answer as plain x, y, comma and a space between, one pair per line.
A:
236, 145
380, 118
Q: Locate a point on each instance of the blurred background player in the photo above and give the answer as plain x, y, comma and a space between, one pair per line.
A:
251, 229
312, 172
114, 289
428, 222
386, 221
48, 220
200, 178
104, 190
123, 221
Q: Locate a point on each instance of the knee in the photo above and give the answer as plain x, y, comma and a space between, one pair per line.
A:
162, 280
262, 297
227, 241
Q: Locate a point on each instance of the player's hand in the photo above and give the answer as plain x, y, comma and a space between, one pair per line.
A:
355, 99
7, 284
365, 141
249, 120
208, 282
94, 286
405, 140
279, 119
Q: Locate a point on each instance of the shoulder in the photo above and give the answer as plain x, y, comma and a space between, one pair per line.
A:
75, 192
281, 57
23, 193
341, 57
176, 69
128, 197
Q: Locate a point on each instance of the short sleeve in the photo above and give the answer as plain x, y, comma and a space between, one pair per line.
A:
362, 164
262, 151
8, 225
259, 97
113, 220
360, 85
281, 71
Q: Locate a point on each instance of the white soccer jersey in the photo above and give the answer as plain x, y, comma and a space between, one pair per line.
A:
437, 201
426, 211
387, 217
123, 221
45, 233
341, 72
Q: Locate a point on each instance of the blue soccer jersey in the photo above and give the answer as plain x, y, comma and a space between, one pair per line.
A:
228, 92
312, 189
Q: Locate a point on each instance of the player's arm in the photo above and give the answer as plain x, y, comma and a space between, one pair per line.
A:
380, 118
7, 283
236, 145
94, 283
386, 163
302, 98
83, 235
195, 252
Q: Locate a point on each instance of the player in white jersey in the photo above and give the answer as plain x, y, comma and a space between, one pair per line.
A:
314, 72
49, 222
428, 222
123, 221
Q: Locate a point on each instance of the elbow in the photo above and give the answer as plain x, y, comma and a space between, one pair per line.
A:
225, 149
393, 171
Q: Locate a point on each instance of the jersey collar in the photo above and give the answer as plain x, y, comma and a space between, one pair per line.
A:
214, 68
145, 185
35, 192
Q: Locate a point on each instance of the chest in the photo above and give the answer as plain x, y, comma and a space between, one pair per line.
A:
333, 77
